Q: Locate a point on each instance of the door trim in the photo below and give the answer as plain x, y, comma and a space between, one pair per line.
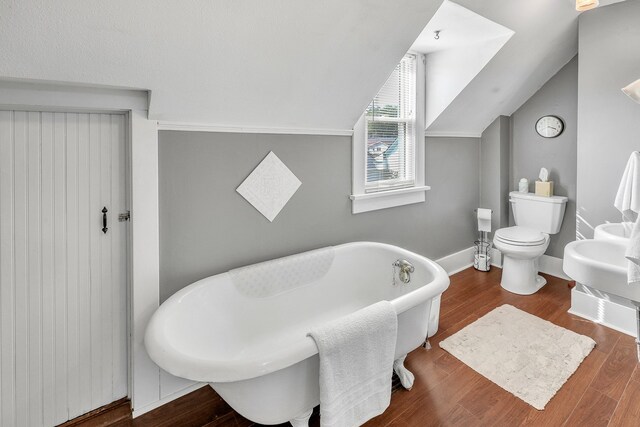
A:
143, 252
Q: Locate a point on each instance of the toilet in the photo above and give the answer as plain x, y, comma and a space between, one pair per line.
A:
536, 217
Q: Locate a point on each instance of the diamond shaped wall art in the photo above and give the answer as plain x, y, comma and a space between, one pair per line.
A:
270, 186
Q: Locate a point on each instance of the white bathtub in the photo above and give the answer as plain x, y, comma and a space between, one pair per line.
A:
245, 331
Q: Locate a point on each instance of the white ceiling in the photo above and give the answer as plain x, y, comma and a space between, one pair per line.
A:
302, 64
466, 43
545, 39
459, 28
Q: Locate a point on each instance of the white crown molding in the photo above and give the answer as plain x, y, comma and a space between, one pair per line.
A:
437, 134
203, 127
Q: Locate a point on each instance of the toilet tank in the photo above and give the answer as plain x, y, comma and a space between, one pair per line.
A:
538, 212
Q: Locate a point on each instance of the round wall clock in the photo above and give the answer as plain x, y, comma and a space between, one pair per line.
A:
549, 126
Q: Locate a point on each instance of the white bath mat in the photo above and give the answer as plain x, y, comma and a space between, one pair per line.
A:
522, 353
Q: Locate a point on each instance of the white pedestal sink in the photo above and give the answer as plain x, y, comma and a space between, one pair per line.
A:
613, 232
601, 265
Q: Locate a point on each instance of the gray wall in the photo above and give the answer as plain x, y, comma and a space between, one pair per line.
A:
494, 171
452, 172
608, 121
530, 152
207, 228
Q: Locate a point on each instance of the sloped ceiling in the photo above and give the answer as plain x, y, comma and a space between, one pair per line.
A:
272, 64
466, 43
545, 39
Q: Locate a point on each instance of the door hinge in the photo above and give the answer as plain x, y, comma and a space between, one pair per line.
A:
124, 216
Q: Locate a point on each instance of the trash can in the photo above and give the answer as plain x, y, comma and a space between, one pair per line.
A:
482, 255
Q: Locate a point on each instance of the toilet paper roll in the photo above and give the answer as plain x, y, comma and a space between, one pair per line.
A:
484, 219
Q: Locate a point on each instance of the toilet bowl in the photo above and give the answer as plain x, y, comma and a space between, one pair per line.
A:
521, 248
536, 217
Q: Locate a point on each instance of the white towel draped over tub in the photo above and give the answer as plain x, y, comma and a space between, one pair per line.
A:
356, 365
628, 203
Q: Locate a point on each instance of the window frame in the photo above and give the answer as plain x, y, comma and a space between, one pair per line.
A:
365, 201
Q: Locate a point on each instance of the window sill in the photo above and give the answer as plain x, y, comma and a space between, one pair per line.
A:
387, 199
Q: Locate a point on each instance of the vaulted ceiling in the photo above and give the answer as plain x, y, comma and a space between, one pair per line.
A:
302, 64
269, 64
545, 39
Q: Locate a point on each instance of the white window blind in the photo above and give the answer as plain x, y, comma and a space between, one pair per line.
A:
390, 130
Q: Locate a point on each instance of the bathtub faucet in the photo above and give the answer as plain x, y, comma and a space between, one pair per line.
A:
406, 268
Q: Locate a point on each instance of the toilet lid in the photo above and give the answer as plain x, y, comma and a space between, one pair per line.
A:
520, 235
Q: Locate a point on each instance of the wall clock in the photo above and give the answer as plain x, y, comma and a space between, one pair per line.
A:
549, 126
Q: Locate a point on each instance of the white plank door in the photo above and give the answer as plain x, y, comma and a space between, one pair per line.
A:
63, 310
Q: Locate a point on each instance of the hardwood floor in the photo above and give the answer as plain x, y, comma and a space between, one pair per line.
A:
605, 390
117, 413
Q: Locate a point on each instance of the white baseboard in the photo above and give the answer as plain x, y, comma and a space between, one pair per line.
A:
496, 258
546, 264
457, 261
600, 309
167, 399
553, 266
463, 259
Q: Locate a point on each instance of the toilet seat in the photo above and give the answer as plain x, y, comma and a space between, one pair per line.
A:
520, 236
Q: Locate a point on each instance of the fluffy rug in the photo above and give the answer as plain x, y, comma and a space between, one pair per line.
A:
525, 355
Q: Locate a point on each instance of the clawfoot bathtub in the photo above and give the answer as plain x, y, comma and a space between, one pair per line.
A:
245, 331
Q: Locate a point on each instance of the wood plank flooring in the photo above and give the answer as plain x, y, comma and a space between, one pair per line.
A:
604, 391
117, 413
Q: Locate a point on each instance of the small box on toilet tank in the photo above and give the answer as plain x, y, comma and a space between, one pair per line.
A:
544, 188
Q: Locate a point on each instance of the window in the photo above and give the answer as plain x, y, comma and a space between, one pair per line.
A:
390, 122
388, 142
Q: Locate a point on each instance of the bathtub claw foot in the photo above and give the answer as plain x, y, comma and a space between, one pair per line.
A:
302, 420
406, 377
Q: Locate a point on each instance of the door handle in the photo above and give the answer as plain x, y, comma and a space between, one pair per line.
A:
104, 219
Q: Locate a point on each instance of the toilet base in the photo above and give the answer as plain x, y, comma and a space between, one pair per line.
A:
520, 276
